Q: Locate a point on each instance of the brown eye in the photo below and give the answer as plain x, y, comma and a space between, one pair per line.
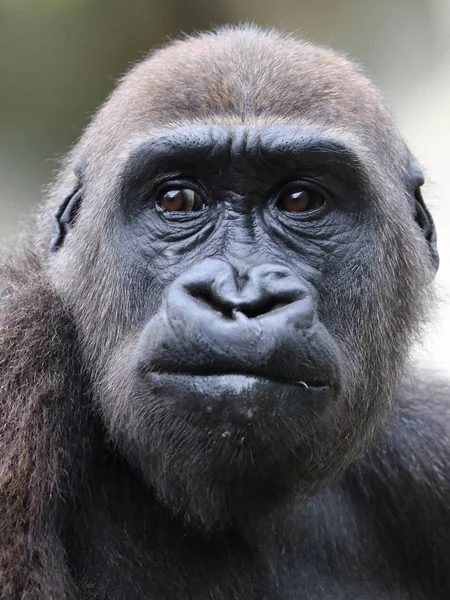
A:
300, 201
181, 200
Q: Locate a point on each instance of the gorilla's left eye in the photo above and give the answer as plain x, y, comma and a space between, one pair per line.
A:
181, 200
300, 200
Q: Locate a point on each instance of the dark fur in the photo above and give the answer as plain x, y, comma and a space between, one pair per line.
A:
381, 531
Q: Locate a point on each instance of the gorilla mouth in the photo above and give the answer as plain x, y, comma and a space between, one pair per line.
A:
241, 395
232, 376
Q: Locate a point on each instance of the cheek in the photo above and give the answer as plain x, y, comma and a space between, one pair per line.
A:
157, 262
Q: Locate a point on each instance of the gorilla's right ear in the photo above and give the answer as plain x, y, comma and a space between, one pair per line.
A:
67, 212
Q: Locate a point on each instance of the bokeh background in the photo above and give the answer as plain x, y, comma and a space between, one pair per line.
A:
60, 58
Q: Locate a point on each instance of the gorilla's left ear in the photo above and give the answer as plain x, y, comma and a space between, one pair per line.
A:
67, 211
424, 219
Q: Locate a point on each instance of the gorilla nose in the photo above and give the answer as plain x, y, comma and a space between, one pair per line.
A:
262, 321
264, 289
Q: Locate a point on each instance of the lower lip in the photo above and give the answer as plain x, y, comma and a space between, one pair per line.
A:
240, 392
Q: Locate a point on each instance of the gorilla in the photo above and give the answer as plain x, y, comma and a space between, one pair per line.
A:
205, 374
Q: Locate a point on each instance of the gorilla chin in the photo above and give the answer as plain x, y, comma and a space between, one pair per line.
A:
217, 448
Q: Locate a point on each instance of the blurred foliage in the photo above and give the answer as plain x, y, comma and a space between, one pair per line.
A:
60, 58
41, 5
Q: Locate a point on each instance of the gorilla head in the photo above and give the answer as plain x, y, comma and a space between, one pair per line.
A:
241, 242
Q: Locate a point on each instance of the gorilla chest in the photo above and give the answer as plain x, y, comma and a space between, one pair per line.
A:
244, 582
173, 569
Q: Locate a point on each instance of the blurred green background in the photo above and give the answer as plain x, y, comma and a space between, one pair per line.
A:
60, 58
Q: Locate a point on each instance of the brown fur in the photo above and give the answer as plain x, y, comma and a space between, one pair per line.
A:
234, 76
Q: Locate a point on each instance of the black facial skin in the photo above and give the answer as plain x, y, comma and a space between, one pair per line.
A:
239, 348
204, 383
233, 298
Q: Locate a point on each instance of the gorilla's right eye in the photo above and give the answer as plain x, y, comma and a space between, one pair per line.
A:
181, 200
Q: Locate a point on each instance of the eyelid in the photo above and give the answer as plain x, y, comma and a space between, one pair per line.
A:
299, 184
179, 183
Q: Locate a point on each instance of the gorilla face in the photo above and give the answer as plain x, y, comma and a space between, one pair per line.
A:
239, 290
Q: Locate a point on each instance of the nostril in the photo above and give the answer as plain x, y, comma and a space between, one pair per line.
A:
212, 302
236, 310
266, 290
252, 311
